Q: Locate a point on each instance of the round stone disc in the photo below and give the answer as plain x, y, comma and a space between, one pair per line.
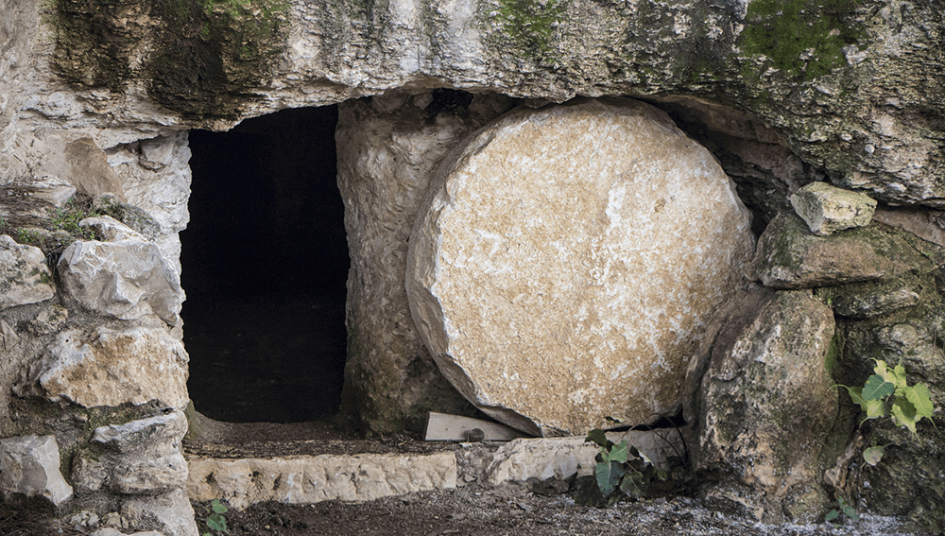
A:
568, 260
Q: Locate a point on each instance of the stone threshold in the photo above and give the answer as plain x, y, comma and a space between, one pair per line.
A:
310, 478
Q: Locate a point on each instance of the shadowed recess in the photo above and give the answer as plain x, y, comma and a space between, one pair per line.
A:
265, 261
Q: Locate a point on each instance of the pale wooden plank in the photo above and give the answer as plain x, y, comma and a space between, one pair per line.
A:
446, 427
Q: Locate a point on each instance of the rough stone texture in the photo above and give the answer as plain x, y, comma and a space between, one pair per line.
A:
24, 277
29, 465
909, 480
139, 457
106, 367
567, 260
388, 149
827, 209
789, 256
877, 303
116, 532
564, 457
766, 404
926, 224
169, 514
311, 479
127, 279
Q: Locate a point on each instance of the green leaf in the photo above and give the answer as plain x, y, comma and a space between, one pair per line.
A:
216, 524
619, 453
874, 409
904, 414
596, 436
831, 515
850, 512
899, 377
921, 398
629, 485
218, 507
608, 476
873, 455
877, 388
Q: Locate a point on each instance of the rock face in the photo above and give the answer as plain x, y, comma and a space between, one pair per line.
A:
766, 402
29, 466
567, 260
24, 277
127, 279
110, 368
389, 148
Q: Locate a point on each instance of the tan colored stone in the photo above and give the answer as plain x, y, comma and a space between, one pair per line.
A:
90, 171
170, 514
827, 209
567, 261
110, 368
311, 479
24, 277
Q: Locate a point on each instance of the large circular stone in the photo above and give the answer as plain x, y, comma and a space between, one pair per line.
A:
567, 261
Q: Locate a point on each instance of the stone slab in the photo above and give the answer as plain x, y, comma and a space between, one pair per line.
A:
311, 479
24, 276
827, 209
567, 260
29, 465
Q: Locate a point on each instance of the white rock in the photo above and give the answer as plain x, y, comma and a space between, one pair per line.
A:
116, 532
24, 277
143, 434
127, 279
828, 209
111, 229
148, 476
53, 190
564, 457
109, 368
29, 465
567, 261
311, 479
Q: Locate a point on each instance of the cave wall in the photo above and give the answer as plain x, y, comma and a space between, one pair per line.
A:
97, 97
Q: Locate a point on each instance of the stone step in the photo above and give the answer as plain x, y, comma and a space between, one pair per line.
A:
299, 479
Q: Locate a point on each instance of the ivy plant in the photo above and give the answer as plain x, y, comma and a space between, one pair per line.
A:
215, 520
621, 470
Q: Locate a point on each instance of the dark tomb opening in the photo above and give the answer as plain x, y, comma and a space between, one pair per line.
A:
265, 262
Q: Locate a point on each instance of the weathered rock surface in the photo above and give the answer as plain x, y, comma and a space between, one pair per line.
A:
766, 403
388, 150
564, 457
29, 465
827, 209
106, 367
311, 479
926, 224
139, 457
24, 277
116, 532
127, 279
789, 256
169, 514
567, 260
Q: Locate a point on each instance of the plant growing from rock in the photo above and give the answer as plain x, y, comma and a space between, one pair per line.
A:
621, 471
886, 393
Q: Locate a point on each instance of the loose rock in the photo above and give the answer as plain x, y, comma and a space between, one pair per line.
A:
29, 465
827, 209
24, 277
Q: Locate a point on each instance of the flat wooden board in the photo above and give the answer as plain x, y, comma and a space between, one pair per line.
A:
445, 427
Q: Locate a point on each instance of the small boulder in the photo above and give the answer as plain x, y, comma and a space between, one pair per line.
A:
29, 465
127, 279
24, 276
828, 209
789, 256
766, 403
109, 368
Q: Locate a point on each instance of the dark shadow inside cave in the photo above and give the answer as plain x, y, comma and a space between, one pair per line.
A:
265, 261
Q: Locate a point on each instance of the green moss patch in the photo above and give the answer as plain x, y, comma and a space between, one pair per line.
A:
803, 38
